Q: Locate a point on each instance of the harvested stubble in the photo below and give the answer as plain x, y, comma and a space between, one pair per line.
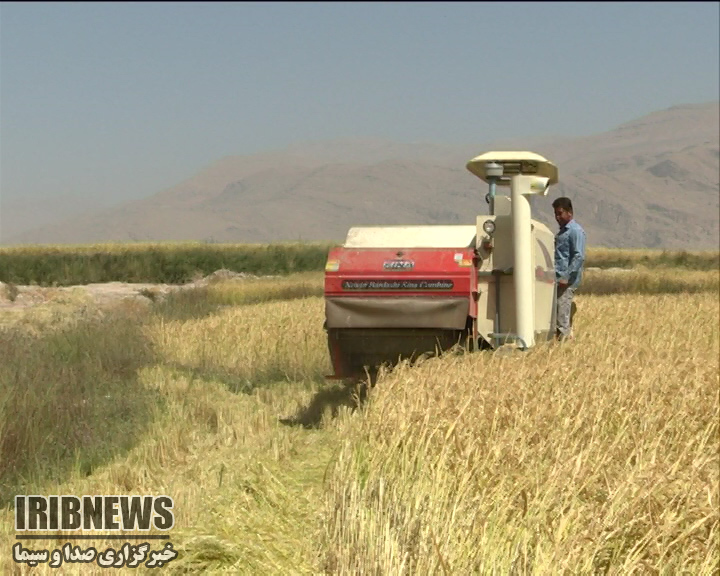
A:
161, 397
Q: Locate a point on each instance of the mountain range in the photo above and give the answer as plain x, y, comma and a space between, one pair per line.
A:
653, 182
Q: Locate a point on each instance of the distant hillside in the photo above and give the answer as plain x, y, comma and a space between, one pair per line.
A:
653, 182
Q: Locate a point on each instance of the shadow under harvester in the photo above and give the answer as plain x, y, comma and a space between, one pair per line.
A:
329, 399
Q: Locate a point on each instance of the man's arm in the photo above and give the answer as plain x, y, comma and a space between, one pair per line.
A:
577, 251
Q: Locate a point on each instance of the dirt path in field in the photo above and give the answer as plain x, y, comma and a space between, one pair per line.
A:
14, 297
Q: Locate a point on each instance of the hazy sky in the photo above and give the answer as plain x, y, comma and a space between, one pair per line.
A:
121, 100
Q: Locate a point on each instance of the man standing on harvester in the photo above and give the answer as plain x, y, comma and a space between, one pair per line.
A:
569, 260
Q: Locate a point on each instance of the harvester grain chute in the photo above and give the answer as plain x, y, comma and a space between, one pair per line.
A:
400, 292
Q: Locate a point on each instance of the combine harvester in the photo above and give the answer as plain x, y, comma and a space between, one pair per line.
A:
401, 292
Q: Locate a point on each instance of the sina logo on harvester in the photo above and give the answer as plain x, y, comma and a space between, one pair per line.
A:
128, 518
398, 265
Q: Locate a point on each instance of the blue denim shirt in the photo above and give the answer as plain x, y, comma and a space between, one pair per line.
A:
570, 253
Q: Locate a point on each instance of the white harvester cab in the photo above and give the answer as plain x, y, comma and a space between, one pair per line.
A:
517, 251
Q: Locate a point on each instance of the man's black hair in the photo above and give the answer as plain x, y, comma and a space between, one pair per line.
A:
564, 203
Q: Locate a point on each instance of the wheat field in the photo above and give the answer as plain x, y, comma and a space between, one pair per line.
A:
596, 456
585, 458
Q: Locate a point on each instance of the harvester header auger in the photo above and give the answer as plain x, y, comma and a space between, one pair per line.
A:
396, 292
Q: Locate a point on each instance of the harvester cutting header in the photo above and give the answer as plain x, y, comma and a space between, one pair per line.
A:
403, 291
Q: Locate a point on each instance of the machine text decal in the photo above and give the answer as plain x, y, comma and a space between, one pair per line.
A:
397, 284
398, 265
